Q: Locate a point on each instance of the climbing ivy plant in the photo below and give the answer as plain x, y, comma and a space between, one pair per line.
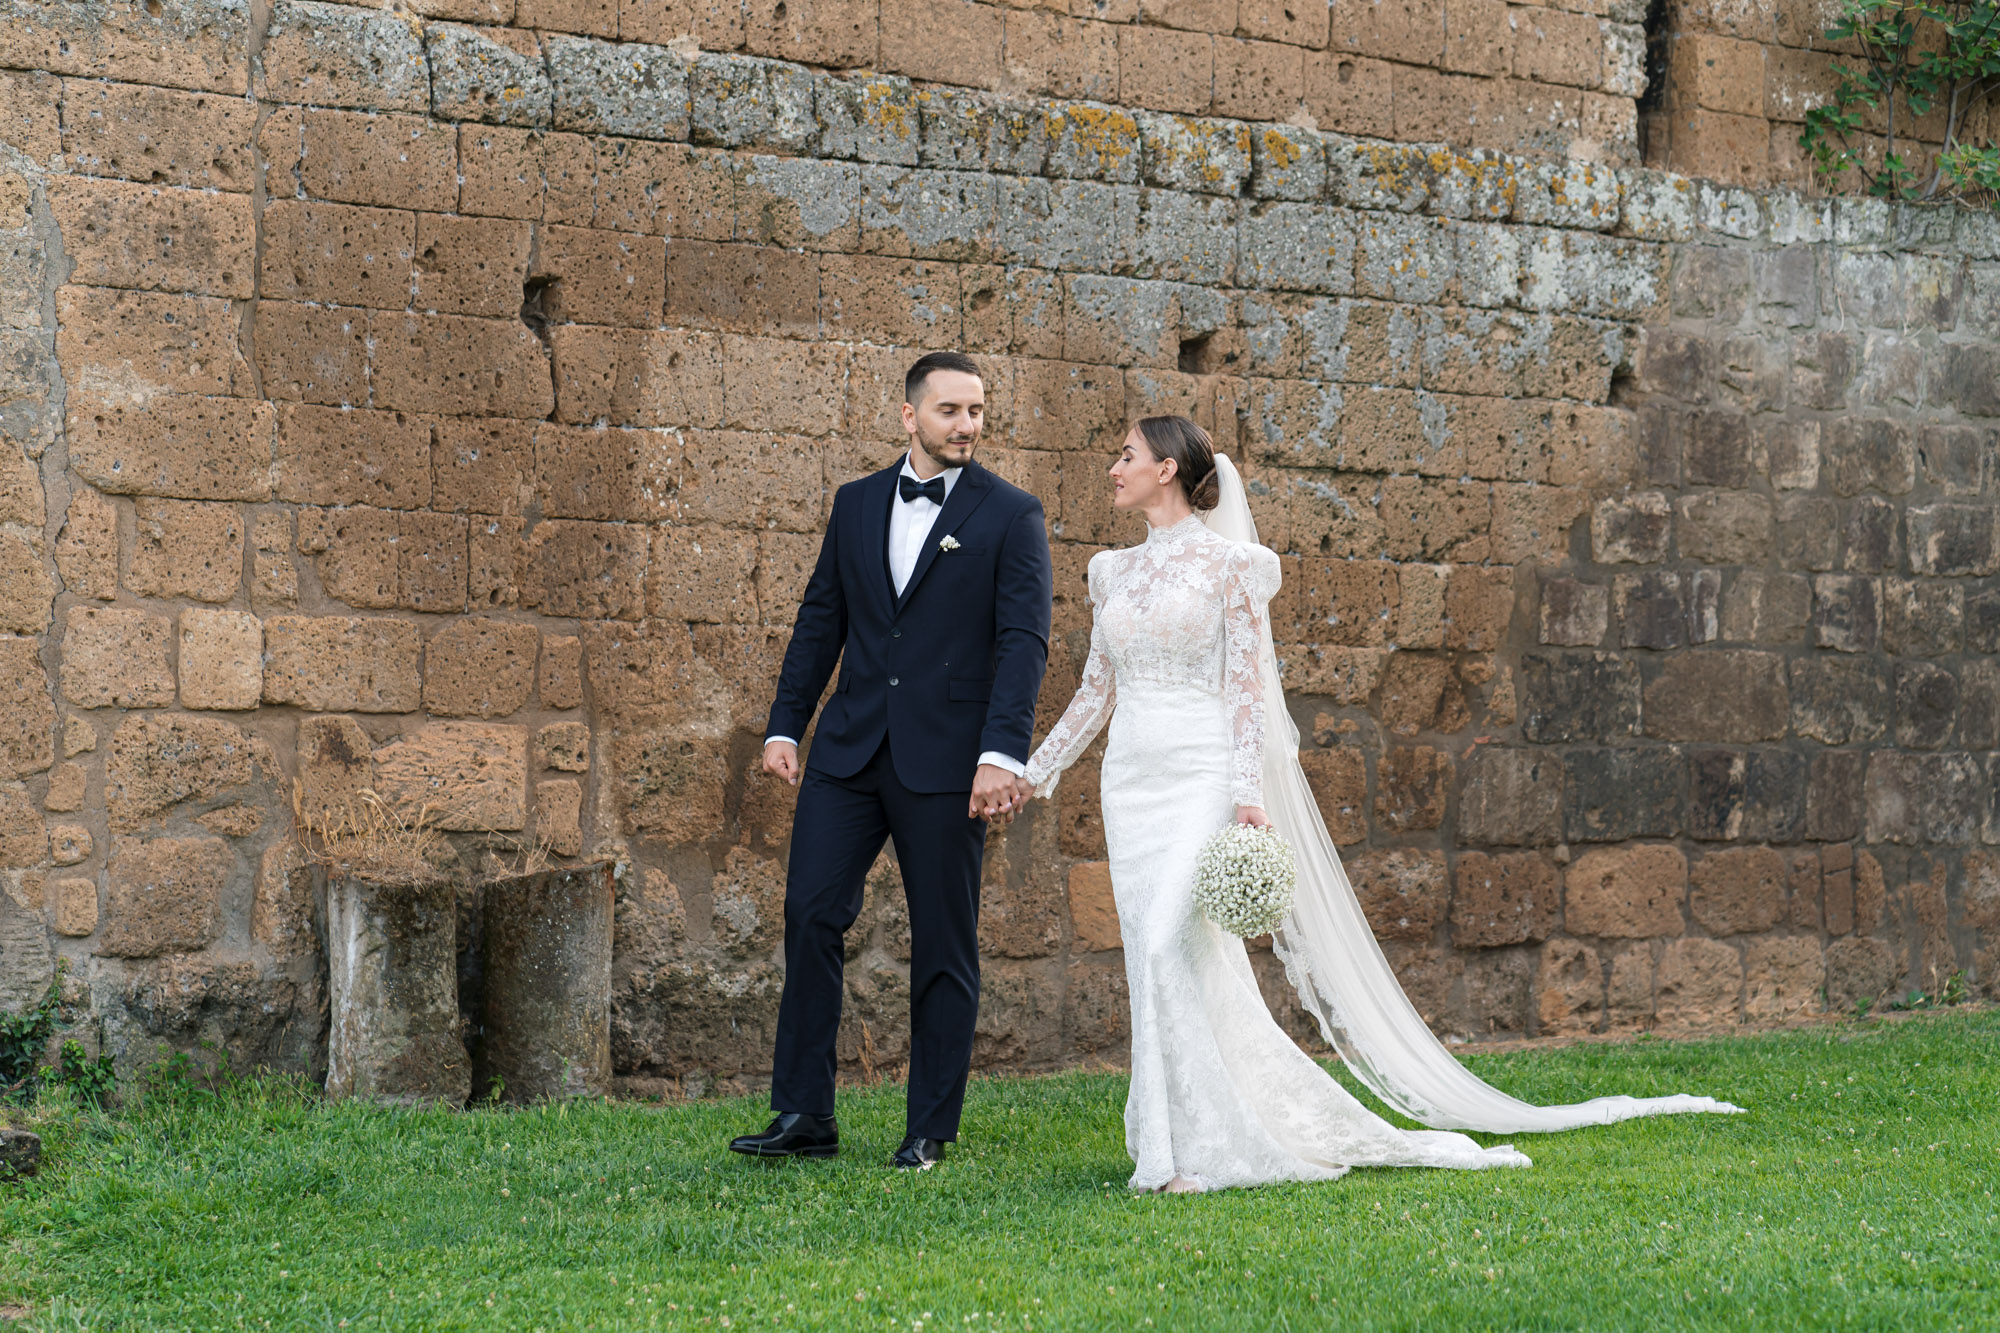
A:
1928, 70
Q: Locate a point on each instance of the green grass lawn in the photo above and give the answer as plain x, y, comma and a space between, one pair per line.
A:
1858, 1191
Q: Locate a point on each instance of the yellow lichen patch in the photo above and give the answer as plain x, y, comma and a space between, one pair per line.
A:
1279, 150
1099, 132
881, 110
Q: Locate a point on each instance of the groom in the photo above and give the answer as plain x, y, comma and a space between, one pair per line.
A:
932, 593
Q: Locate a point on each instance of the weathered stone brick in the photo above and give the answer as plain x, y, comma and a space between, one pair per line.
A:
117, 656
87, 547
480, 668
1626, 892
391, 161
564, 746
1954, 539
1728, 695
729, 478
1403, 893
1923, 798
742, 289
1700, 984
1868, 455
601, 277
465, 776
26, 589
460, 366
590, 570
1635, 529
500, 172
221, 659
337, 253
1859, 969
1922, 618
1725, 528
1411, 784
1613, 795
1871, 536
1738, 892
629, 88
1839, 700
153, 238
330, 664
1420, 694
331, 456
1926, 705
165, 896
1339, 779
488, 74
76, 906
1846, 613
331, 55
1504, 899
479, 266
27, 711
1782, 978
158, 135
313, 354
558, 816
1569, 988
1298, 247
1746, 794
186, 549
159, 760
704, 574
1979, 705
1510, 796
1579, 696
149, 342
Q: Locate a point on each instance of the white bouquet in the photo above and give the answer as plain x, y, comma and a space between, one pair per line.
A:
1243, 879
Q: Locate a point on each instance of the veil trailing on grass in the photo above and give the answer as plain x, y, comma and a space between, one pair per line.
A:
1332, 960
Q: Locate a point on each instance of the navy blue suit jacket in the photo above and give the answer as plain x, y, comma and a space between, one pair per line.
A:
947, 671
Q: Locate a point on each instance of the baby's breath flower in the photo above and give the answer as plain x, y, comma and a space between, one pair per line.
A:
1243, 879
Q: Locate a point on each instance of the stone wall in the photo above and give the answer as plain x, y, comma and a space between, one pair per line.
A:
394, 404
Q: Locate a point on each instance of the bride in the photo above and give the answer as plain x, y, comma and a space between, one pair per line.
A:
1182, 663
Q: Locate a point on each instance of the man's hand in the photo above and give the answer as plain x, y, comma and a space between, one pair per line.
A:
782, 759
997, 795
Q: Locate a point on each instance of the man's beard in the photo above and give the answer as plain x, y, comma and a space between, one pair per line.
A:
940, 452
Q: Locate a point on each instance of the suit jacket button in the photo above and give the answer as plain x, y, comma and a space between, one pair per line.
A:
895, 634
894, 681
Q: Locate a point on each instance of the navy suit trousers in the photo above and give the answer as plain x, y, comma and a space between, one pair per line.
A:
837, 831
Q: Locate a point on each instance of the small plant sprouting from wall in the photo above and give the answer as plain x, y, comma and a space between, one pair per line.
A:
1914, 118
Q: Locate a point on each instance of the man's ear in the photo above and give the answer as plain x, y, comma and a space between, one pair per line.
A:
909, 416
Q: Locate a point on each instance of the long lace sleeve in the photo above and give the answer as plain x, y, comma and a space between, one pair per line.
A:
1096, 695
1249, 579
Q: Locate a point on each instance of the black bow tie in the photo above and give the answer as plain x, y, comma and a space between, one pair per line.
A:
932, 490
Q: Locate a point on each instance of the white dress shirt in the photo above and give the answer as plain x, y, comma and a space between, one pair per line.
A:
909, 528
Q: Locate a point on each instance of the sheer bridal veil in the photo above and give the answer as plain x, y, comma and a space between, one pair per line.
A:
1331, 957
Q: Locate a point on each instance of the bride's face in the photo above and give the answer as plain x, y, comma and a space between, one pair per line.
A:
1138, 479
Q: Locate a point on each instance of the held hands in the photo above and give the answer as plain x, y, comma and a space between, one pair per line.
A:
997, 796
781, 759
1253, 815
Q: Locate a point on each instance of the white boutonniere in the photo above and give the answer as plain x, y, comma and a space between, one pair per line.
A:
949, 543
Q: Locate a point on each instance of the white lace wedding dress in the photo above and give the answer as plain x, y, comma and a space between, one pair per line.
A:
1219, 1095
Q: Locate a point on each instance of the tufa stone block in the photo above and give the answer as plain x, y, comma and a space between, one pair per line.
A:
1626, 892
116, 656
165, 897
221, 659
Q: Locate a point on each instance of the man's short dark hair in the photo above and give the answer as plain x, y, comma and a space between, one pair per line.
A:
913, 383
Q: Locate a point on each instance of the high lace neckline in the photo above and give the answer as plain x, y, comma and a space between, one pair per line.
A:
1174, 532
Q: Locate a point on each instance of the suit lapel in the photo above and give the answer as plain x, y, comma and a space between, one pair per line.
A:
973, 486
881, 500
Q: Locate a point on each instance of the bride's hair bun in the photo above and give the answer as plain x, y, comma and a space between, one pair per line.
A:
1193, 453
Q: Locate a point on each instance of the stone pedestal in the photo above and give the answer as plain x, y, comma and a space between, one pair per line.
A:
392, 959
545, 966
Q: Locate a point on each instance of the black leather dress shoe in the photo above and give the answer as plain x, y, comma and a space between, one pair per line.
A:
918, 1153
792, 1135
